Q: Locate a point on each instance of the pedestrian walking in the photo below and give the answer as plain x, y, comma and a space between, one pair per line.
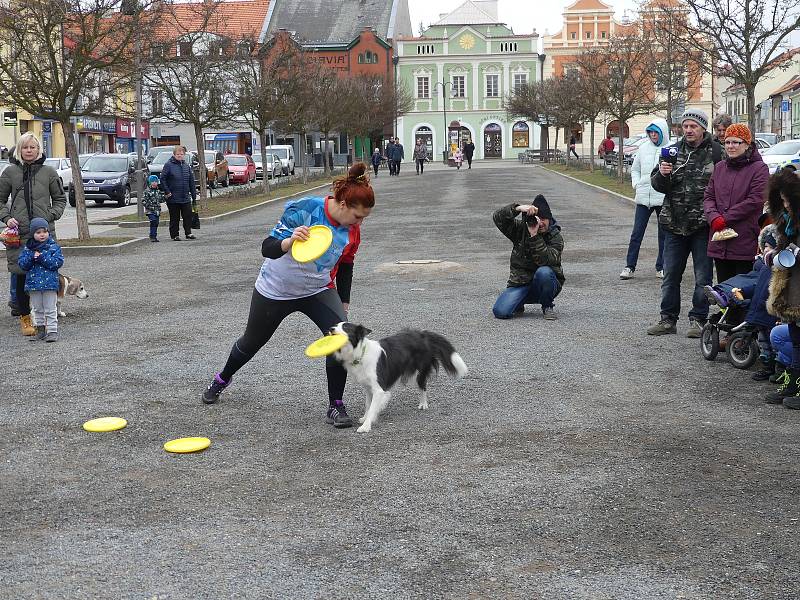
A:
40, 259
151, 201
34, 190
397, 156
320, 289
683, 184
376, 160
458, 158
420, 156
469, 150
733, 202
648, 200
177, 181
389, 153
572, 143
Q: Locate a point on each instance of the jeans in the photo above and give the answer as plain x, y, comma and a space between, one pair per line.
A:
154, 219
12, 292
45, 309
640, 219
396, 167
375, 168
176, 212
420, 165
542, 289
781, 344
677, 249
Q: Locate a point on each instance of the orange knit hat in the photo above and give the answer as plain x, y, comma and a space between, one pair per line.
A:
740, 131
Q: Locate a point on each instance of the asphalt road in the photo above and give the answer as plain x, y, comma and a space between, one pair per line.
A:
579, 459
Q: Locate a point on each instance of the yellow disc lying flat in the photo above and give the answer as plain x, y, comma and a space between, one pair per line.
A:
105, 424
326, 345
317, 244
186, 445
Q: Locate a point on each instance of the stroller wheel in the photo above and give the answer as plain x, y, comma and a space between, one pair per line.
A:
709, 341
742, 349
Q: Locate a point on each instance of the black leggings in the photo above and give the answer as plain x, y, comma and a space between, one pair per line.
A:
325, 309
176, 211
23, 299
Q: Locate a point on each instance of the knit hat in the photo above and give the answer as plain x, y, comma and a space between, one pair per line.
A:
543, 207
767, 236
153, 179
39, 223
696, 115
741, 131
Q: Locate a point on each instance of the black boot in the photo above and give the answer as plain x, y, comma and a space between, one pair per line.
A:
779, 370
764, 373
789, 386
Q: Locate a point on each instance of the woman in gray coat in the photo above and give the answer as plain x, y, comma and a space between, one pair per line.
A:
28, 189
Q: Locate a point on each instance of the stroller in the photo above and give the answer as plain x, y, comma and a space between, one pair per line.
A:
741, 341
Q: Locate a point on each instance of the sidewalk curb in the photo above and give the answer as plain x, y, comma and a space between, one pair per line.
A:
110, 250
597, 187
215, 218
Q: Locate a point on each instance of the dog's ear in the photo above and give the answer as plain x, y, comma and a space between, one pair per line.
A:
362, 331
72, 286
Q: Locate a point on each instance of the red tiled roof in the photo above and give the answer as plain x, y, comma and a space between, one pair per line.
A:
789, 86
234, 19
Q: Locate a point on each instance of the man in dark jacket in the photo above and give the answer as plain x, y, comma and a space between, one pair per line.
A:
177, 181
536, 275
469, 151
683, 184
389, 151
397, 156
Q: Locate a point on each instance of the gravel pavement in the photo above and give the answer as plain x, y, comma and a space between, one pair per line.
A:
579, 459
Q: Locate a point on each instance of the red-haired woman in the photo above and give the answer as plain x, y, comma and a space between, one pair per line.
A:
319, 289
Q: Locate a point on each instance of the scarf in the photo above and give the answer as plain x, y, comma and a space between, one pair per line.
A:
789, 229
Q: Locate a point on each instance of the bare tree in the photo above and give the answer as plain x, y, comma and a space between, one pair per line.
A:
560, 94
746, 36
62, 59
326, 109
529, 102
590, 94
189, 67
676, 54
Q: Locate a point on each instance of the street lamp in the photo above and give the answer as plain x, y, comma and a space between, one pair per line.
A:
395, 60
443, 85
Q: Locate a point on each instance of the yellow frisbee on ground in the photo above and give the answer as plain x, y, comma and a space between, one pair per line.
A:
317, 244
186, 445
105, 424
326, 345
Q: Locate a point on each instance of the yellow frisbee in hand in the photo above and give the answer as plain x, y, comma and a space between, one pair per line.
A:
317, 244
326, 345
186, 445
105, 424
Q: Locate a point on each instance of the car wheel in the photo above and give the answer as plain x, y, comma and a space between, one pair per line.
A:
99, 202
292, 170
126, 198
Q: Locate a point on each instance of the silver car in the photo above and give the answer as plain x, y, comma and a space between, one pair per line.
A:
274, 167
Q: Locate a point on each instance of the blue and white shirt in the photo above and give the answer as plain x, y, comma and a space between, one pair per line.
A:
286, 279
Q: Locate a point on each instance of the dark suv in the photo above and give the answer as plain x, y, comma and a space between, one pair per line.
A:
107, 177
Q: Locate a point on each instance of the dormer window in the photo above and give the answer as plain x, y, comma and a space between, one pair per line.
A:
185, 48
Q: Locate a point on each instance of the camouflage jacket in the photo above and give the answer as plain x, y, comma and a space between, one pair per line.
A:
152, 199
682, 211
529, 253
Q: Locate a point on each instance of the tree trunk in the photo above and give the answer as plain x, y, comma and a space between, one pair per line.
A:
77, 180
751, 107
591, 146
620, 150
324, 145
669, 112
262, 136
201, 155
555, 143
305, 157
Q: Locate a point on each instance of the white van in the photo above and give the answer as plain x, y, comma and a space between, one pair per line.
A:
286, 154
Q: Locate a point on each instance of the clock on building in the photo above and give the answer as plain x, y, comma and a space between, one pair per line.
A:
467, 41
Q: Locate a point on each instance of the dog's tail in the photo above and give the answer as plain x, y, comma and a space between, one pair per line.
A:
443, 352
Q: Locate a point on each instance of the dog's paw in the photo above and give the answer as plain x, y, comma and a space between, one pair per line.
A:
365, 428
62, 314
362, 419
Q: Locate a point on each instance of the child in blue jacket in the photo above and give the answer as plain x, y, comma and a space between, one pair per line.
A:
41, 258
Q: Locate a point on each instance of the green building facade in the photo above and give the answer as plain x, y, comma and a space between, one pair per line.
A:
474, 66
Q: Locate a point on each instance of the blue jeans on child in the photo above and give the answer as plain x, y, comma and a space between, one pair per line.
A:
542, 289
154, 219
12, 292
640, 219
781, 344
677, 249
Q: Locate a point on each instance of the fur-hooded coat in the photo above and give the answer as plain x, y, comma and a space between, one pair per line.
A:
784, 288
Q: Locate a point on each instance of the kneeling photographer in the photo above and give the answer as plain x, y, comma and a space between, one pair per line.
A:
536, 276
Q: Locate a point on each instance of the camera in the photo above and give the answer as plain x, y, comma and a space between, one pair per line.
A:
669, 155
530, 219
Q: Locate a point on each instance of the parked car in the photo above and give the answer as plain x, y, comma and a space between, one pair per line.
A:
157, 163
762, 144
82, 158
780, 153
107, 177
62, 167
217, 168
286, 154
770, 138
274, 167
194, 160
793, 164
630, 149
242, 168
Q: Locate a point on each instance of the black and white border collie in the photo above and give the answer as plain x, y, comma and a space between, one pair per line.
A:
378, 365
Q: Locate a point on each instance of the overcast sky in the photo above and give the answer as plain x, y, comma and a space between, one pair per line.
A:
522, 15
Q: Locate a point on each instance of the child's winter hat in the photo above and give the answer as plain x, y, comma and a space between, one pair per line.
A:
39, 223
544, 208
153, 179
767, 236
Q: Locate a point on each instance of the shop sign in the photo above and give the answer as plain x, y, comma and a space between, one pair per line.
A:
125, 128
47, 126
89, 124
10, 118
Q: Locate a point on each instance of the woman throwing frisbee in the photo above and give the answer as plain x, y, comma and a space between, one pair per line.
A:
320, 288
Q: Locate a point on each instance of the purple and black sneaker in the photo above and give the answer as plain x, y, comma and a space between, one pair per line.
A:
337, 416
212, 393
715, 297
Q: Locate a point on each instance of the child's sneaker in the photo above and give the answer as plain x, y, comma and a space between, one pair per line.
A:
39, 335
788, 387
780, 371
51, 337
213, 391
714, 297
337, 416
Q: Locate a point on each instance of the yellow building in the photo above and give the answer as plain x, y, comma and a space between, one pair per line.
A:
49, 132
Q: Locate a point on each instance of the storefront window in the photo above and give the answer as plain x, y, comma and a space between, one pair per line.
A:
521, 135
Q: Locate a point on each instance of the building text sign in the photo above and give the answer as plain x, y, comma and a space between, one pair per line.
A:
10, 118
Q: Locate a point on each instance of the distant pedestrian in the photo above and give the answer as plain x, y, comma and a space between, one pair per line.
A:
469, 150
376, 160
389, 151
458, 158
177, 181
420, 156
151, 201
35, 191
607, 146
397, 156
720, 123
40, 259
572, 143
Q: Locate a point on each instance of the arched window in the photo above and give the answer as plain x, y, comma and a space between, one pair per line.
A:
361, 59
520, 135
